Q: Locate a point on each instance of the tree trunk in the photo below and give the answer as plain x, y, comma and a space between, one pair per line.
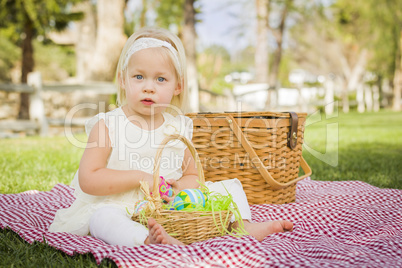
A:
110, 39
27, 67
261, 57
360, 98
345, 97
353, 76
376, 98
329, 96
86, 41
396, 102
143, 17
274, 73
189, 39
368, 97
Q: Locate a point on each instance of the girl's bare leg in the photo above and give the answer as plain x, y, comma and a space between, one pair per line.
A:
260, 230
158, 235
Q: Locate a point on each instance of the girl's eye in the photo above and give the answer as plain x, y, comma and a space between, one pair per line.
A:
138, 76
161, 79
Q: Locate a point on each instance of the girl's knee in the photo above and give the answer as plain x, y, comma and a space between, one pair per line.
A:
102, 217
113, 226
104, 213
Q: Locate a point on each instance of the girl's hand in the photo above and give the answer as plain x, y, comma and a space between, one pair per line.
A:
175, 184
150, 179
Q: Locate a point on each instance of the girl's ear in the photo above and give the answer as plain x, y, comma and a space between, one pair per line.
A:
179, 88
120, 81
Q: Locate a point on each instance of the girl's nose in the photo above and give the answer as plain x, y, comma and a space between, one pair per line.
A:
149, 90
149, 87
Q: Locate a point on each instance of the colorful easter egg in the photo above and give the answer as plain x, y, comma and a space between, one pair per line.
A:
139, 205
189, 198
165, 189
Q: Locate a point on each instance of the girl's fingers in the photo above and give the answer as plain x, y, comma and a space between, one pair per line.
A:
167, 198
172, 182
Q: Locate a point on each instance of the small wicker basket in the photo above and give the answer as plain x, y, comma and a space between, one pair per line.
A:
261, 149
186, 226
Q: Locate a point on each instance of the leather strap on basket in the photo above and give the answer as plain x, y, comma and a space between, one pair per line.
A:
292, 136
257, 161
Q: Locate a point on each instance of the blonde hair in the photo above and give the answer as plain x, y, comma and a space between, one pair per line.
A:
179, 101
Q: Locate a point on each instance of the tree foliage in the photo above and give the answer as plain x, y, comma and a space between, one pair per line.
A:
170, 13
27, 19
375, 25
44, 15
9, 54
213, 64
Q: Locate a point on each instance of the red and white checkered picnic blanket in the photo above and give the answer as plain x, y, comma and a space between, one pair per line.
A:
336, 224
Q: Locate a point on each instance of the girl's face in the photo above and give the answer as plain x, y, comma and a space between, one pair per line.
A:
151, 82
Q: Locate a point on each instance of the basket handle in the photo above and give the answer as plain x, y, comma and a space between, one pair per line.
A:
257, 161
158, 157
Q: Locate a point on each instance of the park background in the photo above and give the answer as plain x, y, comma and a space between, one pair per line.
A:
339, 61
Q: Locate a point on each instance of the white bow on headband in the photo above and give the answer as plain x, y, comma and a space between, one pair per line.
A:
147, 42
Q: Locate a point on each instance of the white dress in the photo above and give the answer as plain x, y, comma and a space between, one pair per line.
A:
133, 148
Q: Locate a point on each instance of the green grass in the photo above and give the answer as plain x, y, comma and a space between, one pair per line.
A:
369, 148
36, 163
365, 147
15, 252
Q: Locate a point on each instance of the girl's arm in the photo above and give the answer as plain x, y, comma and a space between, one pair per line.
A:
95, 178
190, 174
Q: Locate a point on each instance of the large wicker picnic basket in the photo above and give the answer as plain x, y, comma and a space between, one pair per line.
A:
186, 226
261, 149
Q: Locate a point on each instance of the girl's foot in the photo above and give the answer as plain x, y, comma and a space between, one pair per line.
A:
158, 235
261, 230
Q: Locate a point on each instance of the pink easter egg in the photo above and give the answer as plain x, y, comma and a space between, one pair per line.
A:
165, 189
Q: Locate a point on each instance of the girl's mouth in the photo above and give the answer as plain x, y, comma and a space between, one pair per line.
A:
147, 102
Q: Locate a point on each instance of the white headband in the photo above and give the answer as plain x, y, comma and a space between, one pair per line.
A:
146, 42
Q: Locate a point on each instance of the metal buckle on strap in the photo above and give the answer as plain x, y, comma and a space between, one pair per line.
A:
292, 136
